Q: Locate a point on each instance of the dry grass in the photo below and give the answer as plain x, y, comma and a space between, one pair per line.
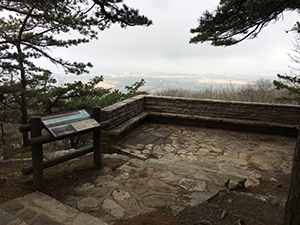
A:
261, 90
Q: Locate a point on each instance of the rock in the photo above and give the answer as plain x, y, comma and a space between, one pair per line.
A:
169, 148
264, 161
122, 176
157, 200
192, 185
160, 186
113, 208
156, 163
157, 150
87, 203
206, 165
192, 148
133, 207
169, 177
183, 168
121, 195
136, 186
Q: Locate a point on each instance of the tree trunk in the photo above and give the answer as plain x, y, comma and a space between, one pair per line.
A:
292, 207
23, 106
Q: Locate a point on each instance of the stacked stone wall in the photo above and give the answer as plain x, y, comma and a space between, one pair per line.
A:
282, 119
271, 113
122, 111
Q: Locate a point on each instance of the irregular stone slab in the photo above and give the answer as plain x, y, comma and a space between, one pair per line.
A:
160, 186
191, 156
127, 168
202, 151
212, 187
183, 168
192, 185
136, 163
181, 152
192, 148
197, 198
206, 165
133, 207
121, 195
136, 186
169, 177
156, 163
217, 178
100, 192
149, 147
237, 172
87, 203
211, 148
122, 176
157, 150
243, 155
169, 148
264, 160
146, 151
202, 175
156, 200
113, 208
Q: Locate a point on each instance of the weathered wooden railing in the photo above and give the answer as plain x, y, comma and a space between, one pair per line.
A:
37, 140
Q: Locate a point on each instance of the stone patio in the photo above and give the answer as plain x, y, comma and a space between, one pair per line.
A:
178, 167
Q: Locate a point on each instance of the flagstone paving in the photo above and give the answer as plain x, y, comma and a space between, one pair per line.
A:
177, 167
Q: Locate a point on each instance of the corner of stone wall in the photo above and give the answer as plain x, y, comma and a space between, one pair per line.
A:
117, 114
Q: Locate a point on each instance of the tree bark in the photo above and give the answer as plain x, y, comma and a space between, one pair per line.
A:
292, 207
23, 94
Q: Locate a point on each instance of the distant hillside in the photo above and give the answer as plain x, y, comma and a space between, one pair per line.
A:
261, 90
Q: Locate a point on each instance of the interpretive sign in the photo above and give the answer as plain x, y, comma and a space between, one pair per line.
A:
69, 123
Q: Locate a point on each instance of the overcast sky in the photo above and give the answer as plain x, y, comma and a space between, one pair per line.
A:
164, 46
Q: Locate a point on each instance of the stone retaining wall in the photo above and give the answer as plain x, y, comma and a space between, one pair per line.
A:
117, 114
272, 113
122, 111
282, 119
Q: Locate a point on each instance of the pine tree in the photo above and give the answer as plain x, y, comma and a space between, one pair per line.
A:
30, 29
236, 20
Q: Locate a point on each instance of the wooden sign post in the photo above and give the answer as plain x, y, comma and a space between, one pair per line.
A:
62, 126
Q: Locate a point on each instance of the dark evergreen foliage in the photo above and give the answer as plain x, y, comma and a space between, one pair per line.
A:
29, 30
236, 20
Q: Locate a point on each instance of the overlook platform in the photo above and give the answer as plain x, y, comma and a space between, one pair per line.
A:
170, 165
166, 166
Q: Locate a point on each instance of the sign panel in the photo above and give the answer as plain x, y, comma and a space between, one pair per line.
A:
68, 123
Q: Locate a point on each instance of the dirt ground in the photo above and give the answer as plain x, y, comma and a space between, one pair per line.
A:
260, 205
